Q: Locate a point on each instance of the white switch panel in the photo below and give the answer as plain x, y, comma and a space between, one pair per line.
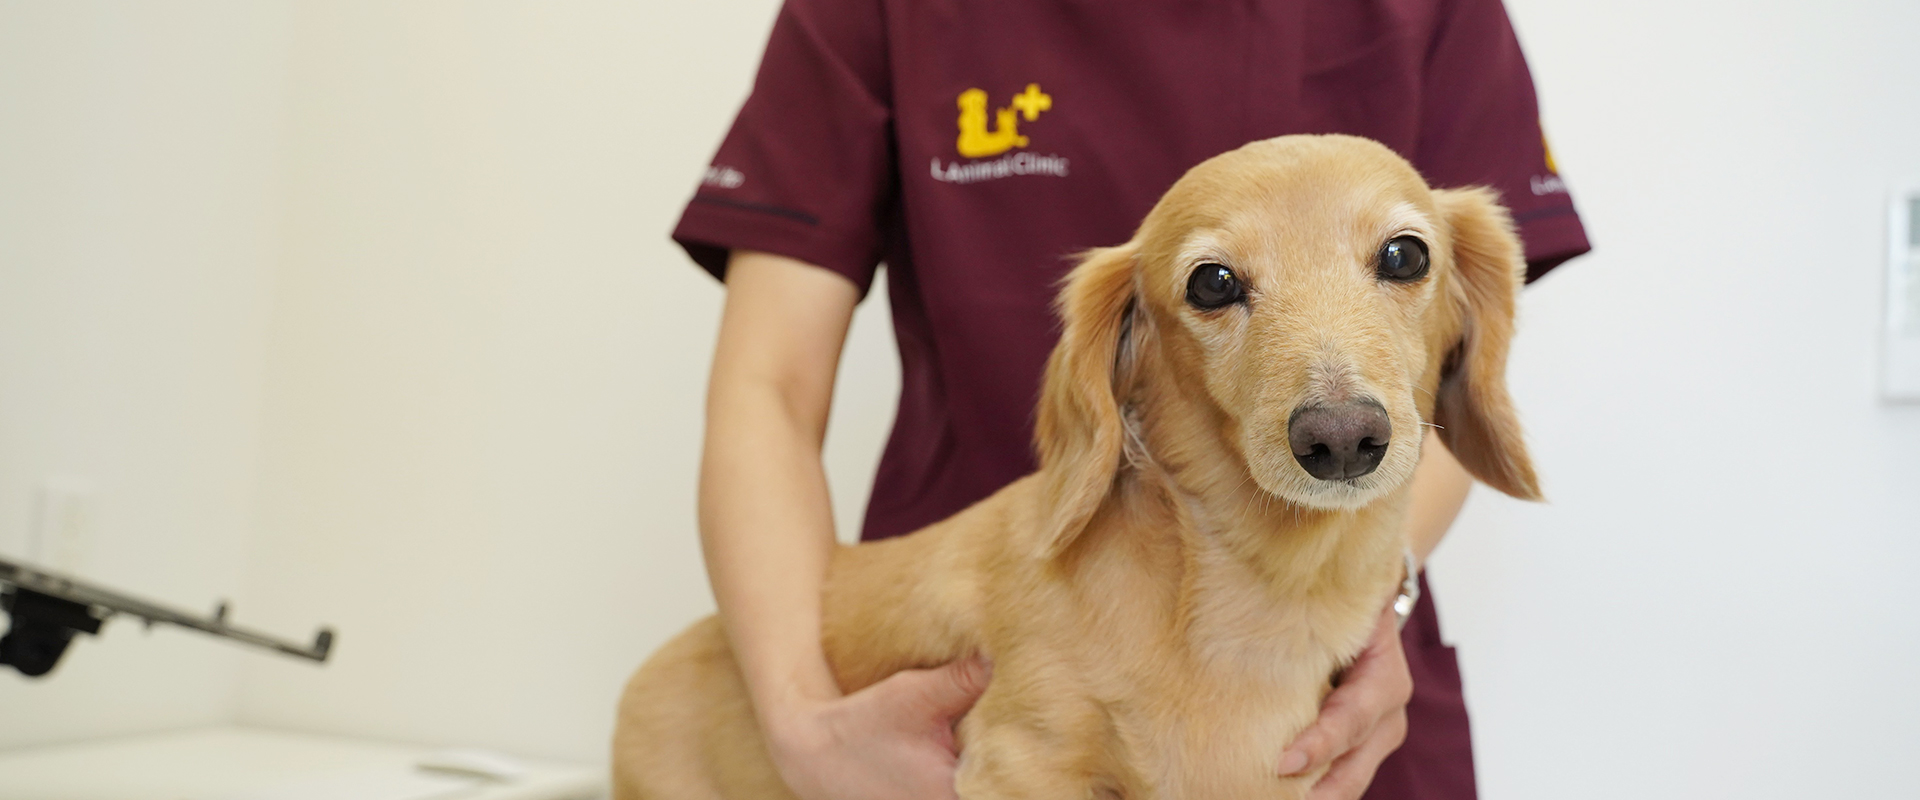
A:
1900, 339
60, 535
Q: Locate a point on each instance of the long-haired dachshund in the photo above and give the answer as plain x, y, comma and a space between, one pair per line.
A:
1226, 431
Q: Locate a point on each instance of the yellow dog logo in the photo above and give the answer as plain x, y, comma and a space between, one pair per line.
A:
976, 141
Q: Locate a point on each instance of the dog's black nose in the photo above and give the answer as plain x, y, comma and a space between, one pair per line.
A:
1339, 441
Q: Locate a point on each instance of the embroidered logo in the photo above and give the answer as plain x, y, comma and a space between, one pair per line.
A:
976, 141
981, 138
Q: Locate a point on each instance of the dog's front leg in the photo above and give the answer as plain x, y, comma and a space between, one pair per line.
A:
1015, 765
1021, 751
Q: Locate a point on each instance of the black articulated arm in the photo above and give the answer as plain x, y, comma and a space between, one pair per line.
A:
47, 609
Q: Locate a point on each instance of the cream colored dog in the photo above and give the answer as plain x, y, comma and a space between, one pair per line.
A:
1226, 433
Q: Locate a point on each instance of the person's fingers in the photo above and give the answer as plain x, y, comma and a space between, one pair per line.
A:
955, 687
1338, 729
938, 695
1352, 773
1376, 685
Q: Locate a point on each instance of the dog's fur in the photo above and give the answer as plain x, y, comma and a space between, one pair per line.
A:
1165, 599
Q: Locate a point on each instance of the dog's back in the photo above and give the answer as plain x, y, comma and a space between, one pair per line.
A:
686, 729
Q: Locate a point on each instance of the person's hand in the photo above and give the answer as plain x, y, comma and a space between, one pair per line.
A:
1361, 722
890, 741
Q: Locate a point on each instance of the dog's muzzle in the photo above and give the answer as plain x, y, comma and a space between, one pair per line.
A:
1339, 441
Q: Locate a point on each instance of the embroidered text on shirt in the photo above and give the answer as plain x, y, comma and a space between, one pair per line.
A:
1002, 167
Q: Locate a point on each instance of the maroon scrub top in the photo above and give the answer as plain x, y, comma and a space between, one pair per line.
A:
973, 145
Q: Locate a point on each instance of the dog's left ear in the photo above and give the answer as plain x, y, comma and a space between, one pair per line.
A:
1475, 414
1078, 429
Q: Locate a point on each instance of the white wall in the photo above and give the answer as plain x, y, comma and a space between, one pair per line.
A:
377, 300
484, 403
1716, 603
138, 199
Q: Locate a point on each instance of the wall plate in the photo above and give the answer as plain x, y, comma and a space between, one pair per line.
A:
1900, 332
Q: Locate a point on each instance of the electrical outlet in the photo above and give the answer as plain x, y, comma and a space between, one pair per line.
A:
60, 534
1900, 336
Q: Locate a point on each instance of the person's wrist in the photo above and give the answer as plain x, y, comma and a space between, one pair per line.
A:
792, 713
796, 740
793, 732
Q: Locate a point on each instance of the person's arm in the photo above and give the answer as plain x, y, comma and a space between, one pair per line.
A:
766, 526
1440, 487
1365, 719
766, 523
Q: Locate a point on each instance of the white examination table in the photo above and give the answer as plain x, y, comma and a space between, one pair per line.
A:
240, 763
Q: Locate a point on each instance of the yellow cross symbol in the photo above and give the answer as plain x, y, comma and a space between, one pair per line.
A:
1031, 102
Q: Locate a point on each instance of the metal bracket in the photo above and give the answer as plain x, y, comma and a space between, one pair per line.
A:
47, 609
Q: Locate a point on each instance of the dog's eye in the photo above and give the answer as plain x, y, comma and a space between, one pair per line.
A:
1212, 286
1404, 258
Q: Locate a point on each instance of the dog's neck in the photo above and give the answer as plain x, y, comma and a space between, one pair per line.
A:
1253, 564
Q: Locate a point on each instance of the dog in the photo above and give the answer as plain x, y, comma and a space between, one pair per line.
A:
1226, 435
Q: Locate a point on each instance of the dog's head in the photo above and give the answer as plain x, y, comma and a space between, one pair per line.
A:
1306, 303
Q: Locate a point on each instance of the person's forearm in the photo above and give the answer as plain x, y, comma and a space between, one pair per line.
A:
767, 531
1440, 488
766, 520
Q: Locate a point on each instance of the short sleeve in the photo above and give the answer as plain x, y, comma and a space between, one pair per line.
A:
1480, 125
806, 170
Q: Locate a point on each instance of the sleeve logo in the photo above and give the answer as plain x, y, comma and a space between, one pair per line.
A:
1549, 183
722, 176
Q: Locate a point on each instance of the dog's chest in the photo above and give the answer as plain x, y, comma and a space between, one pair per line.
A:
1227, 745
1257, 673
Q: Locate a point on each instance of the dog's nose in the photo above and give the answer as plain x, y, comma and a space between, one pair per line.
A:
1339, 441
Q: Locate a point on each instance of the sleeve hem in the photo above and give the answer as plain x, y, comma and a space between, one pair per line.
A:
1551, 239
709, 230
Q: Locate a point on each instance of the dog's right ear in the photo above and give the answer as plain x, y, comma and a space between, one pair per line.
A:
1078, 430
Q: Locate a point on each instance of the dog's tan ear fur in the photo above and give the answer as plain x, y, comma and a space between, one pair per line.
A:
1079, 431
1475, 414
